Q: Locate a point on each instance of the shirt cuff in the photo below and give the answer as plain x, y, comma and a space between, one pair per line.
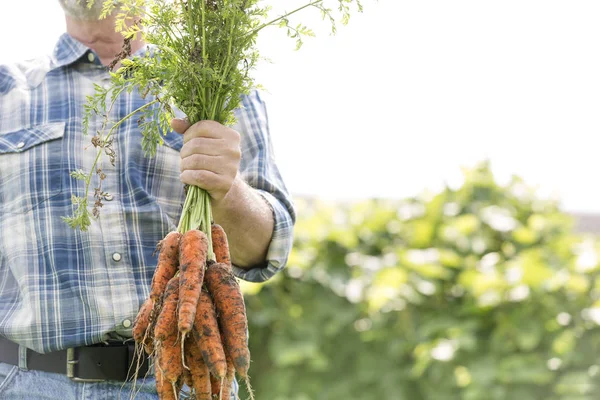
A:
279, 248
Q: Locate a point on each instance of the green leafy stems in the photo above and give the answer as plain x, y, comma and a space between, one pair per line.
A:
200, 55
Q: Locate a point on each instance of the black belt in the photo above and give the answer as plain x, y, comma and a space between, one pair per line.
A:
96, 363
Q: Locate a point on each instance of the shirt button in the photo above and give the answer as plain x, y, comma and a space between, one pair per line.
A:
108, 197
126, 323
20, 145
116, 257
91, 57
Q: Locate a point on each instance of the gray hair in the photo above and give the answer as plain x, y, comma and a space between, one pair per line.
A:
81, 10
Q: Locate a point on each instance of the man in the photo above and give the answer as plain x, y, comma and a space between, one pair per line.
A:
67, 297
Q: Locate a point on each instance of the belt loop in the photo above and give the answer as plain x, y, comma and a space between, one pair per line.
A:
23, 358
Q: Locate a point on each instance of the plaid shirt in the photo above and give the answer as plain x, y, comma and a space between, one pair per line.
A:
62, 288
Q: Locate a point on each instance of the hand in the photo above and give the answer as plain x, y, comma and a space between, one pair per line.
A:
210, 156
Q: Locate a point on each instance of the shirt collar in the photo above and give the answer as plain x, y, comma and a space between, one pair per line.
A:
67, 51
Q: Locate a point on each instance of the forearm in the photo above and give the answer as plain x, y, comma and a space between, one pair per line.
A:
248, 221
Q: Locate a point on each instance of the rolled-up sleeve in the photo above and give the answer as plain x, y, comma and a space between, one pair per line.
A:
259, 169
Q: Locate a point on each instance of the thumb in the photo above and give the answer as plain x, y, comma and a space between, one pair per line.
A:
180, 125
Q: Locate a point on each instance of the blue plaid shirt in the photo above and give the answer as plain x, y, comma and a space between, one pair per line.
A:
62, 288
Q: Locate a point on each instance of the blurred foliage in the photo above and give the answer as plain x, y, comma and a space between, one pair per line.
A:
477, 293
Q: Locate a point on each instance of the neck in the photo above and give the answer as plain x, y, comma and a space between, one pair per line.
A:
100, 36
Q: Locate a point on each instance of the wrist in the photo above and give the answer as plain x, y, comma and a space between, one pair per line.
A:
226, 202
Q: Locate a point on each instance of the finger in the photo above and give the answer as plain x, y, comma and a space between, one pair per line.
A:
207, 146
211, 129
180, 125
207, 129
203, 162
204, 179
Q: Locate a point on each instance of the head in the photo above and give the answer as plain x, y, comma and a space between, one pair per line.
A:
79, 9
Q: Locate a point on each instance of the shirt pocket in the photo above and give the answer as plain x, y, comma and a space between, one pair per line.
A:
31, 167
167, 188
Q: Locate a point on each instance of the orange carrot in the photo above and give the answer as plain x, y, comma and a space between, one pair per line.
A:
149, 337
206, 332
169, 360
165, 333
149, 344
198, 369
187, 378
215, 386
228, 382
142, 321
192, 258
229, 302
164, 388
166, 267
166, 321
220, 244
167, 389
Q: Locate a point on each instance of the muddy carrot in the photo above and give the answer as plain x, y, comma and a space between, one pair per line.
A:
166, 336
228, 382
169, 367
198, 369
164, 388
215, 386
166, 322
187, 378
142, 321
206, 332
220, 244
149, 345
169, 359
229, 303
168, 260
192, 259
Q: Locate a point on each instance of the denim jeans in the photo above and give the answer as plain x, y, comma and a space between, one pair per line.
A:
16, 384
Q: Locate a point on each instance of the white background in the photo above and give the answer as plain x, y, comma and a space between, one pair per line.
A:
410, 91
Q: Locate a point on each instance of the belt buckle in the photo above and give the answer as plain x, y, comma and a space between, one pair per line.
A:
71, 363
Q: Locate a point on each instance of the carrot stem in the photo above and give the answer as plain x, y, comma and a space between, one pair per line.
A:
197, 214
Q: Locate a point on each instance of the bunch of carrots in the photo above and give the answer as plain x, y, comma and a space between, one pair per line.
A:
194, 321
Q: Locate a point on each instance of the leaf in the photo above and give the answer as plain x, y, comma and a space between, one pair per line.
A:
78, 174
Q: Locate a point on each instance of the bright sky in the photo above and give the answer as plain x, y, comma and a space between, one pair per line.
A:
409, 91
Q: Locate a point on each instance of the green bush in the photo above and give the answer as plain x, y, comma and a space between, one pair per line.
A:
477, 293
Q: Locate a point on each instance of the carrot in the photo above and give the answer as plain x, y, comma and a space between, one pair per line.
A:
215, 386
166, 320
229, 302
142, 321
166, 267
149, 344
228, 382
164, 389
206, 332
220, 244
187, 378
169, 360
169, 372
192, 258
166, 337
198, 369
148, 340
